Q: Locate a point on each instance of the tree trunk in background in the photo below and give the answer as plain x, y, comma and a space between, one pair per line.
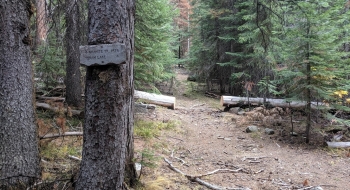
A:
41, 23
108, 127
19, 154
73, 85
308, 91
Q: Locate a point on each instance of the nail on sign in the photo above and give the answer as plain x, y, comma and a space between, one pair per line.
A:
102, 54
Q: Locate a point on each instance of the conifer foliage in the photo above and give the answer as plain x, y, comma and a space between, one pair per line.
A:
316, 62
182, 23
153, 43
292, 49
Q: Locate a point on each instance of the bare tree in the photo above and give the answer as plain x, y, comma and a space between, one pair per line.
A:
41, 22
73, 85
19, 154
108, 127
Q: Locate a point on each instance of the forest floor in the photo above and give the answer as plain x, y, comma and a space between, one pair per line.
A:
206, 138
181, 148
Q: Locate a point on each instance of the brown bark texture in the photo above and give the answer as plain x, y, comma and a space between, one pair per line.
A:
19, 154
73, 85
41, 23
108, 127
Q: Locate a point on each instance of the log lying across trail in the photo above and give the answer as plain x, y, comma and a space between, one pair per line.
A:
338, 144
235, 101
157, 99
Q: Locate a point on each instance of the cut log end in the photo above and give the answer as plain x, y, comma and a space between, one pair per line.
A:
157, 99
222, 101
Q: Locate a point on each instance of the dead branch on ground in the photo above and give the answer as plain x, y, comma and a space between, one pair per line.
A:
182, 161
61, 135
55, 99
197, 179
253, 158
55, 109
74, 158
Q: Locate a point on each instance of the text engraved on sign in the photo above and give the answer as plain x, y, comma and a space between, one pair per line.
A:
103, 54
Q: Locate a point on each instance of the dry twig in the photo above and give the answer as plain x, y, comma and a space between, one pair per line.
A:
74, 158
61, 135
197, 179
182, 161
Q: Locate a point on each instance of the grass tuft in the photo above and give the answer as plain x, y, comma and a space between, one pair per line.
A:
151, 129
52, 152
158, 184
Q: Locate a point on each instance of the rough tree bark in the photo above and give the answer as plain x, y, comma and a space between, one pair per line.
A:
19, 154
108, 127
41, 23
73, 85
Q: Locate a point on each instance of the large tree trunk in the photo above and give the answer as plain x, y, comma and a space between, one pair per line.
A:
73, 85
108, 127
19, 154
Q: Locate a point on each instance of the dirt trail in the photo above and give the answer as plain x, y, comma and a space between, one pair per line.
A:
208, 139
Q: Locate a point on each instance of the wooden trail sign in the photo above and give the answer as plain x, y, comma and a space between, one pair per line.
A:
102, 54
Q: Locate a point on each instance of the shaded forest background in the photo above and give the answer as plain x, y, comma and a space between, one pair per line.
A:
292, 50
296, 50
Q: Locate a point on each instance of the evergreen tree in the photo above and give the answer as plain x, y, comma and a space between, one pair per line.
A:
72, 39
153, 43
182, 24
294, 49
208, 48
253, 59
315, 62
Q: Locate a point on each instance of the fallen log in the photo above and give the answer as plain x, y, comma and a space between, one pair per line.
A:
55, 109
55, 99
47, 136
338, 144
146, 106
157, 99
212, 95
234, 101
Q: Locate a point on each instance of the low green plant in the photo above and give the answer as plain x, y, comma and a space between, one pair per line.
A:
158, 184
43, 114
148, 159
51, 151
74, 122
50, 66
255, 135
150, 129
159, 145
